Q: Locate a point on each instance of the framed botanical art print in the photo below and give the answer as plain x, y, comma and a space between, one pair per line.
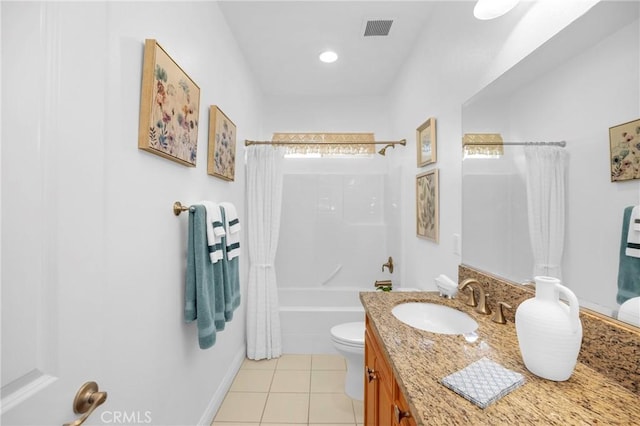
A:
222, 145
624, 144
426, 142
169, 108
427, 225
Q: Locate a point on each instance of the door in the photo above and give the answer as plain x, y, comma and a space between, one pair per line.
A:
52, 228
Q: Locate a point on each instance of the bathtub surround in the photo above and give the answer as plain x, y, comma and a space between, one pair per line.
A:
337, 216
307, 315
264, 203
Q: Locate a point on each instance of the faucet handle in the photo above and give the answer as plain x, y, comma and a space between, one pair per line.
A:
483, 306
499, 315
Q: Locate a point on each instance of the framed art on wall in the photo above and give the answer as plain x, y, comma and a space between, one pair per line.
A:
427, 225
624, 145
169, 108
426, 142
222, 145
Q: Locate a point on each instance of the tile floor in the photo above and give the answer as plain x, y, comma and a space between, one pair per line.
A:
293, 390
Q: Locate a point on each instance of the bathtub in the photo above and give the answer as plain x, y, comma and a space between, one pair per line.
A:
307, 315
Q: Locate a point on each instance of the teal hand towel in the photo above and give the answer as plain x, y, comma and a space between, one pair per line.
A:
204, 292
628, 267
483, 382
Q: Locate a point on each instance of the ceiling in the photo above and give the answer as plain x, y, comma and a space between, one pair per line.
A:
281, 41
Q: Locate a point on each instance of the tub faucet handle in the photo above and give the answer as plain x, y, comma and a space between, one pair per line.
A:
388, 265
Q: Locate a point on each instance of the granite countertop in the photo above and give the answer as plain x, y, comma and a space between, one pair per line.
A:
420, 359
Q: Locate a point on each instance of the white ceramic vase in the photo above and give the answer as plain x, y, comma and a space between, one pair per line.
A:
549, 332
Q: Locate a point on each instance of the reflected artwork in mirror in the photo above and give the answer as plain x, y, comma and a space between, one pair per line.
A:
567, 90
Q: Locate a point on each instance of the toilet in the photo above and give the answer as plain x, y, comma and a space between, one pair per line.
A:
630, 311
348, 339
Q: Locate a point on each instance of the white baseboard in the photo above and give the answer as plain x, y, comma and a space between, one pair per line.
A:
221, 392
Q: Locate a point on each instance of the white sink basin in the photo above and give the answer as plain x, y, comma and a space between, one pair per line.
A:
434, 318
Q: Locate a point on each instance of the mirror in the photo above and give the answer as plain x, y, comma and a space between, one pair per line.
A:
573, 88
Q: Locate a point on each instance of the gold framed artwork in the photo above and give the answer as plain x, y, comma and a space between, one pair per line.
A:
169, 108
426, 142
222, 145
427, 225
624, 145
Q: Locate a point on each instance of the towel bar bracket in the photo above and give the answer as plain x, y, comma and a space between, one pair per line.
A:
179, 208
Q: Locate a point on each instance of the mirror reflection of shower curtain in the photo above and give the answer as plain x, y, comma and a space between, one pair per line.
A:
264, 205
546, 167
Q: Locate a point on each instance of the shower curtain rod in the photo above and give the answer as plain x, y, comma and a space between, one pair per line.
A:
479, 143
248, 142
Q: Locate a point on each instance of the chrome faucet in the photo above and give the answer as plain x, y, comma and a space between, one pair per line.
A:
481, 304
388, 265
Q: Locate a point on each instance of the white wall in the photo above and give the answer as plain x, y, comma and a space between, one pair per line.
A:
113, 229
317, 114
441, 75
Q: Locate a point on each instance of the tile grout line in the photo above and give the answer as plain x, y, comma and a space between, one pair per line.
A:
264, 408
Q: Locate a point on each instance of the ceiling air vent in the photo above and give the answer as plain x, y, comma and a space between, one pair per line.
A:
378, 27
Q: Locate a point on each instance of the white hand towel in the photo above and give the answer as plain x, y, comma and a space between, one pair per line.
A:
232, 227
215, 230
633, 236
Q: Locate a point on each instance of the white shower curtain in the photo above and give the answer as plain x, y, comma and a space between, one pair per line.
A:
546, 201
264, 200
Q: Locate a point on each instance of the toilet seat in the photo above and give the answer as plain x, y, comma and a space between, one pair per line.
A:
349, 334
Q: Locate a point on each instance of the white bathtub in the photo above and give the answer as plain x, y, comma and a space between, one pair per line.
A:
307, 315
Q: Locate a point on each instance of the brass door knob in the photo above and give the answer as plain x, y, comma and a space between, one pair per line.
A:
86, 401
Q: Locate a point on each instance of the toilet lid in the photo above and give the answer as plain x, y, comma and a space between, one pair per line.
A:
350, 333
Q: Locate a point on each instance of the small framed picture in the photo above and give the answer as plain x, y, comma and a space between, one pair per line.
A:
427, 205
169, 108
222, 145
426, 142
624, 144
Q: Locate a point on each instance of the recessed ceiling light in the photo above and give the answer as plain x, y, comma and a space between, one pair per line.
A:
328, 56
490, 9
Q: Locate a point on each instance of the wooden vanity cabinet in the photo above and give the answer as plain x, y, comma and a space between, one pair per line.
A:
384, 404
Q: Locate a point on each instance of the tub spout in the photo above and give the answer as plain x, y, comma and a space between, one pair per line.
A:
388, 265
